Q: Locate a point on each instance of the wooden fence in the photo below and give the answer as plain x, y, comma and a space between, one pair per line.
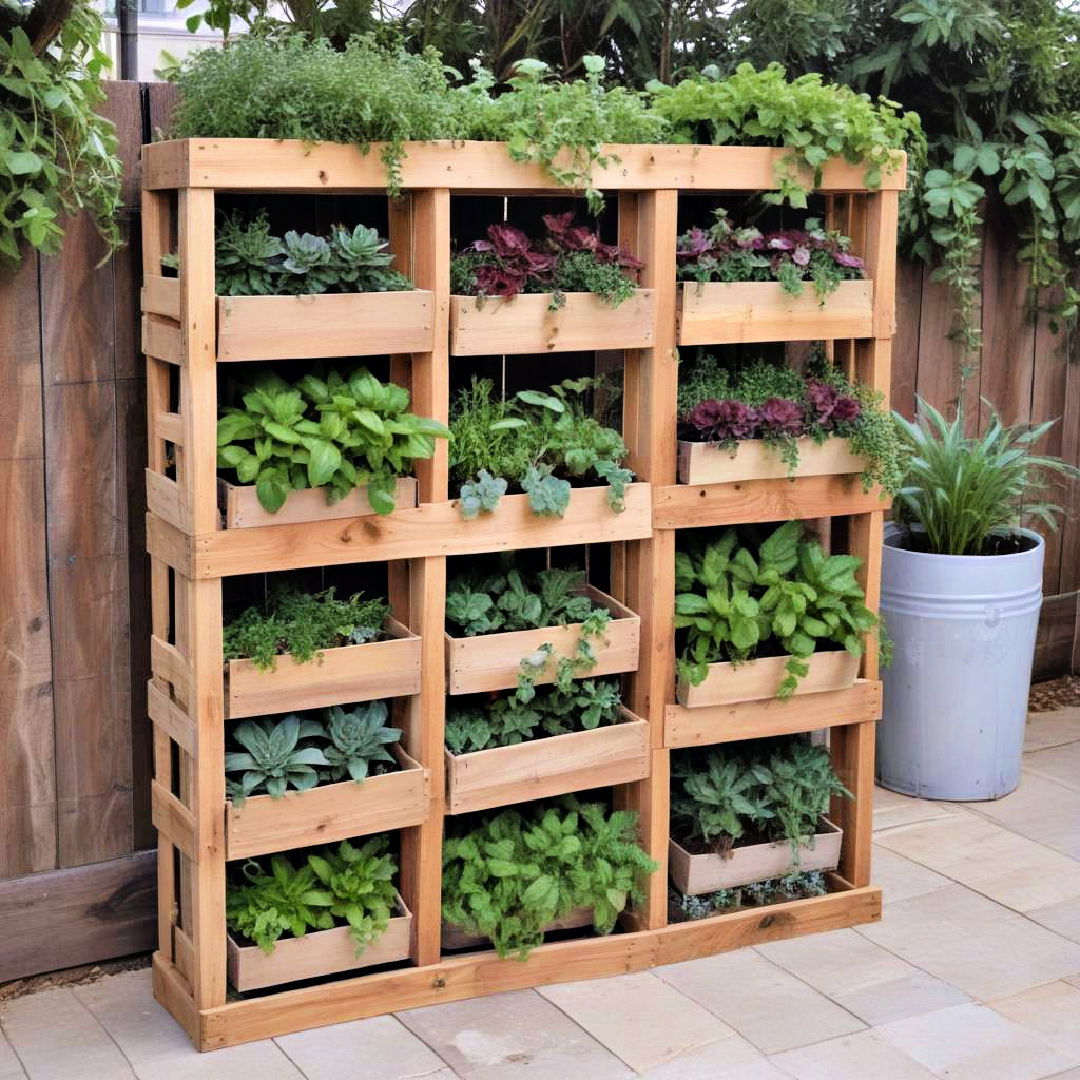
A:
76, 878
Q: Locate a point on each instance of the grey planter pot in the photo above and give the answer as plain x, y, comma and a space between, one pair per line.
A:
964, 630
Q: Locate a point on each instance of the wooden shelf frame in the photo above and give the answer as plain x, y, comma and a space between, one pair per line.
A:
191, 554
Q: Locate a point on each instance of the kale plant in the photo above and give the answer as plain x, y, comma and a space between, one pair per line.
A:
277, 755
358, 740
731, 599
508, 875
301, 625
538, 442
332, 432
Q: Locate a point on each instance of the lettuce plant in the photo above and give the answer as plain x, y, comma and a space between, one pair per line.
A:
332, 432
790, 257
570, 258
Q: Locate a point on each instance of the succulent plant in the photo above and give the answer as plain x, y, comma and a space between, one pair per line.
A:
274, 757
358, 738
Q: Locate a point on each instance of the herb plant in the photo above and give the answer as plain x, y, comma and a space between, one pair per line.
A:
724, 407
538, 442
774, 789
482, 722
508, 875
352, 884
570, 258
276, 755
252, 262
301, 625
358, 737
732, 599
964, 492
790, 257
332, 432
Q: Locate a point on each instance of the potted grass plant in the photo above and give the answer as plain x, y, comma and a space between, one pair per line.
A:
961, 593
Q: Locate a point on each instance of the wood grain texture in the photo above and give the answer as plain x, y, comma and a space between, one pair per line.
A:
703, 463
728, 684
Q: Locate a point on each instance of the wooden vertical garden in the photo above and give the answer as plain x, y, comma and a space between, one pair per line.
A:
187, 333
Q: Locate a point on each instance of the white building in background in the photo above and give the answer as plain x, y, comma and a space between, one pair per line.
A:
161, 29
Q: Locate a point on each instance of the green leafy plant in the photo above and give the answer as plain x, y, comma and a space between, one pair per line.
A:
277, 755
301, 625
57, 155
966, 494
358, 738
764, 790
537, 441
798, 885
252, 262
726, 406
507, 876
732, 600
332, 432
350, 883
484, 722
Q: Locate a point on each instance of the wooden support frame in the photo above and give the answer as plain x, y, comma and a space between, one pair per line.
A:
191, 554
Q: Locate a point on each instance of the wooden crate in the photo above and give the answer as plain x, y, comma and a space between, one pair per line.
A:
702, 463
614, 754
319, 952
491, 661
330, 813
527, 324
453, 937
378, 669
756, 680
727, 313
240, 507
706, 873
328, 325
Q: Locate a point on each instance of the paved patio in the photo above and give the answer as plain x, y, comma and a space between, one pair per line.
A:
974, 974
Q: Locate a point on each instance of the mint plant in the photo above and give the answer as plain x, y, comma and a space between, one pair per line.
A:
301, 625
539, 442
507, 875
732, 599
332, 432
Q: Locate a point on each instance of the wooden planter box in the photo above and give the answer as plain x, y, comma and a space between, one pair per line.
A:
700, 463
554, 765
311, 327
755, 680
721, 313
695, 874
454, 937
330, 813
319, 952
525, 324
378, 669
491, 661
240, 506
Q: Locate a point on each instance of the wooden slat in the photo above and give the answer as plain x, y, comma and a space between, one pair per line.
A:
165, 499
241, 508
161, 295
684, 506
703, 463
167, 663
729, 684
476, 975
720, 313
852, 751
169, 426
161, 338
528, 324
174, 820
294, 165
758, 719
170, 718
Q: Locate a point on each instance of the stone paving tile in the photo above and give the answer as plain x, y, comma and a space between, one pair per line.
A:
611, 1010
10, 1069
381, 1048
1051, 1011
862, 977
732, 1058
1041, 809
159, 1049
56, 1038
514, 1036
972, 943
862, 1056
900, 878
1063, 918
892, 809
761, 1001
1007, 868
1052, 729
972, 1042
1061, 764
